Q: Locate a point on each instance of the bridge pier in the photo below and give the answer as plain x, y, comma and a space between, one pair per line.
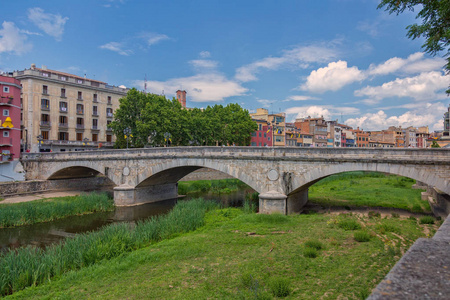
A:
126, 195
275, 202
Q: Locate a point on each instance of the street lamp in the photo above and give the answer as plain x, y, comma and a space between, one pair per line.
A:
40, 138
127, 132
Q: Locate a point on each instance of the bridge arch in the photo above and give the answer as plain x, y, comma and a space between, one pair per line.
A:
172, 171
75, 169
415, 172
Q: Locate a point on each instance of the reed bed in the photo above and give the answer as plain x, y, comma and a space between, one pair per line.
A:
32, 266
46, 210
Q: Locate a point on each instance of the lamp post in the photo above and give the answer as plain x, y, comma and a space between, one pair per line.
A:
127, 132
40, 138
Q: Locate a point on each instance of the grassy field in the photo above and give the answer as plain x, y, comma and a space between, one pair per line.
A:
239, 255
368, 189
46, 210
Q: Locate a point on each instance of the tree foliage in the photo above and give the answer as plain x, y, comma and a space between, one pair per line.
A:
156, 121
435, 27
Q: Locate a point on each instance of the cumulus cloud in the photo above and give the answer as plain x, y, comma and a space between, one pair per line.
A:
205, 54
298, 57
300, 98
332, 78
12, 40
116, 47
51, 24
421, 87
327, 111
423, 115
208, 87
203, 64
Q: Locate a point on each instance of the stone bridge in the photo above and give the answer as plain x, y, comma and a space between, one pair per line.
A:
281, 175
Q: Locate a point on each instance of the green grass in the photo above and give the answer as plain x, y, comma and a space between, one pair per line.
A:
222, 186
239, 256
370, 189
46, 210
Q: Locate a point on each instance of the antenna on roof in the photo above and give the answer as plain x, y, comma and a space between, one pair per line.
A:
145, 84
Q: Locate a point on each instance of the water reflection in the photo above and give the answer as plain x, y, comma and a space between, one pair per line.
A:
43, 234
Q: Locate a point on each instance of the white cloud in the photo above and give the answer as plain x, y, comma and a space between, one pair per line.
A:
51, 24
12, 40
332, 78
116, 47
421, 87
205, 54
208, 87
371, 28
298, 57
423, 115
203, 64
153, 38
414, 64
265, 103
300, 98
327, 111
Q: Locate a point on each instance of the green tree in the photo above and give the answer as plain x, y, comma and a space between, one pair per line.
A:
435, 27
434, 144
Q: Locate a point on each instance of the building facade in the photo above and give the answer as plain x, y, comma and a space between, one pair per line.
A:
10, 118
65, 112
275, 122
262, 137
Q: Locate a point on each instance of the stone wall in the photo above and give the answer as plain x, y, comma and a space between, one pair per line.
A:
205, 174
37, 186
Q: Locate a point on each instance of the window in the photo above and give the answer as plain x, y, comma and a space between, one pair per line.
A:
6, 133
80, 109
45, 90
94, 137
94, 123
45, 74
63, 78
95, 98
109, 100
6, 112
109, 138
253, 133
265, 134
80, 123
94, 110
260, 135
44, 135
80, 95
45, 119
6, 89
63, 136
79, 136
109, 112
253, 143
63, 121
45, 104
80, 81
259, 126
63, 106
63, 93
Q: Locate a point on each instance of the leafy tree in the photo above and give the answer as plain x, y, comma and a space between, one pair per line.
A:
435, 27
434, 144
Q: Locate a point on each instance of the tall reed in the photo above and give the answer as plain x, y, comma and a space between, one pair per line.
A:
31, 266
26, 213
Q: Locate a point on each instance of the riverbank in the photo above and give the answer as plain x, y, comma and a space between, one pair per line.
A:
238, 255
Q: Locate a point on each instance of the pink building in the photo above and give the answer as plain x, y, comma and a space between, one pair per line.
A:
10, 118
263, 136
181, 97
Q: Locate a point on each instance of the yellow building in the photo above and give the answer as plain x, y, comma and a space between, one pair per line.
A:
276, 122
66, 112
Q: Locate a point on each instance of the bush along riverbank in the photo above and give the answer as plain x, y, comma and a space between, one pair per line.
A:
46, 210
371, 189
238, 255
222, 186
33, 266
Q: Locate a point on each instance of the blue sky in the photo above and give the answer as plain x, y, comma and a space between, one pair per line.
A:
343, 59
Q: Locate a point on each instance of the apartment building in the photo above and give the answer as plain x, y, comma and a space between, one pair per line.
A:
447, 123
275, 122
65, 112
10, 110
292, 135
362, 138
316, 127
262, 137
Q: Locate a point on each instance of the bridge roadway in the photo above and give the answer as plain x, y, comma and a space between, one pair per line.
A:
282, 175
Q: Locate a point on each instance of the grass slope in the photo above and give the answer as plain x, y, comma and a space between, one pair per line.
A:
249, 256
368, 189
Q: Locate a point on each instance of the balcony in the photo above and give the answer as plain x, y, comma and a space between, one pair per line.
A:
80, 112
63, 125
63, 109
5, 100
95, 114
6, 141
80, 126
108, 129
45, 107
95, 128
110, 115
46, 124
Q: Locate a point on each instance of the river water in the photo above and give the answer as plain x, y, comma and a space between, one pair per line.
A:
44, 234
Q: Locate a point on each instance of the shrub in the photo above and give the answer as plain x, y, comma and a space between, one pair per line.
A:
315, 244
361, 236
280, 287
349, 224
374, 214
412, 218
385, 227
310, 252
417, 208
426, 220
395, 215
